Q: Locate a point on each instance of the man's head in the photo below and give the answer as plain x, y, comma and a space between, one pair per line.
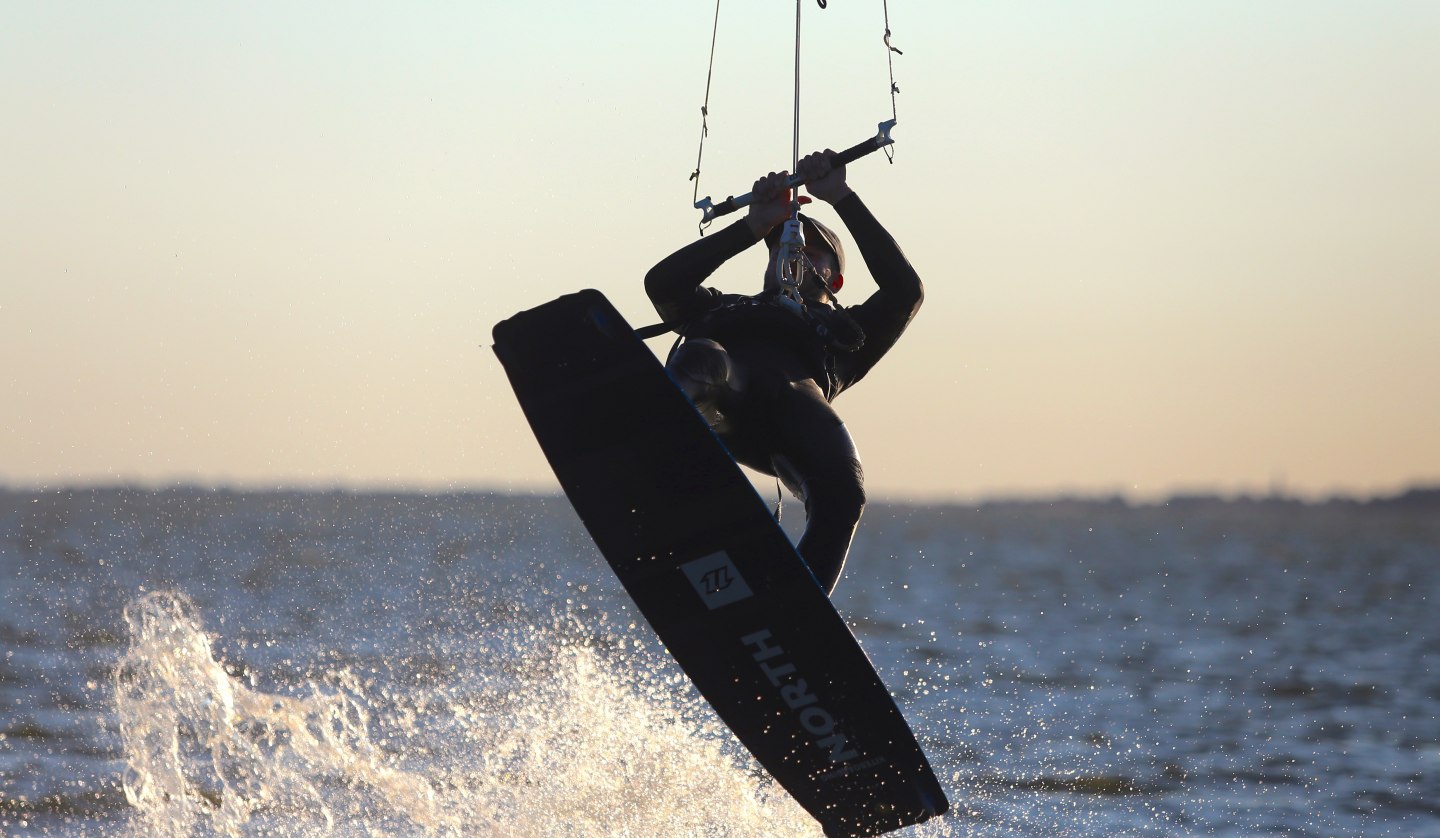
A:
824, 252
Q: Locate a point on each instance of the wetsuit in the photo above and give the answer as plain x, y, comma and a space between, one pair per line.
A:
764, 376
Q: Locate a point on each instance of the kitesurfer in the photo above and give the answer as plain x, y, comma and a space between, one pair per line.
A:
764, 369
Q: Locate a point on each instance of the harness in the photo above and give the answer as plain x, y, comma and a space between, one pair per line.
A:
816, 330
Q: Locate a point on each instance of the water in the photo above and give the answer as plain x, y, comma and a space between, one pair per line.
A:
187, 662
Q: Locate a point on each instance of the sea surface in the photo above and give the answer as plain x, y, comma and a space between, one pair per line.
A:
195, 662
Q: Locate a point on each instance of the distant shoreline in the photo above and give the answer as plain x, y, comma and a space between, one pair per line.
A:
1415, 498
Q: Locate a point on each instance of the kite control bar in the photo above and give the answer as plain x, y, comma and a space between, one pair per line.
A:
713, 211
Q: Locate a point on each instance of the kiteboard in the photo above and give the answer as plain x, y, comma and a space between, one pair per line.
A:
713, 573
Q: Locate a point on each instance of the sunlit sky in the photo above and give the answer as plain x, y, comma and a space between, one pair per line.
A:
1168, 247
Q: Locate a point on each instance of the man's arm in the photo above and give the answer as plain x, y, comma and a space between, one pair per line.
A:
900, 290
674, 284
889, 310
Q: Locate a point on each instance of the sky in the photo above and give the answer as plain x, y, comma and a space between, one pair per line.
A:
1167, 247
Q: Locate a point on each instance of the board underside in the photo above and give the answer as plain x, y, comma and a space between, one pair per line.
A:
714, 574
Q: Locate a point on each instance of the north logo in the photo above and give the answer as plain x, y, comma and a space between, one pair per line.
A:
716, 579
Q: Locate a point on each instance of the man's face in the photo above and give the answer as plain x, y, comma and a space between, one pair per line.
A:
820, 269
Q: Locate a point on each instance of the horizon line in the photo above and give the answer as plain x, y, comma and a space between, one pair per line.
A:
1096, 496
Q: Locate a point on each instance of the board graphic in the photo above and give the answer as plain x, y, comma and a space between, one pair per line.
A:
714, 574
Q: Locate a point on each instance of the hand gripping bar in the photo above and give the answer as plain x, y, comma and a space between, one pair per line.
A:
711, 211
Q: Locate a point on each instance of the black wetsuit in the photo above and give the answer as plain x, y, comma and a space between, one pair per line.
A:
780, 373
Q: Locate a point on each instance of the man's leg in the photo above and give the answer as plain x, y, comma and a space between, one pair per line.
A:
792, 433
703, 370
817, 461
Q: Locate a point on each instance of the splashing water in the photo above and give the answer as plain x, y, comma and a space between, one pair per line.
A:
573, 736
200, 745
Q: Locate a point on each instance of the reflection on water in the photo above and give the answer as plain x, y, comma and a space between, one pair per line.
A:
188, 662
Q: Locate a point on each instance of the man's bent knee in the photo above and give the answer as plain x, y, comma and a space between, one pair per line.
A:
702, 368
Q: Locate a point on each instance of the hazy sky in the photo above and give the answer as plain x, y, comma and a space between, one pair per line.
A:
1167, 246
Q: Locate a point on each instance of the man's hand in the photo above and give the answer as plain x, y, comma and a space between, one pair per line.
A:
823, 178
771, 205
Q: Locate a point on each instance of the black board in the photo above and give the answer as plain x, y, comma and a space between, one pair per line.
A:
713, 573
